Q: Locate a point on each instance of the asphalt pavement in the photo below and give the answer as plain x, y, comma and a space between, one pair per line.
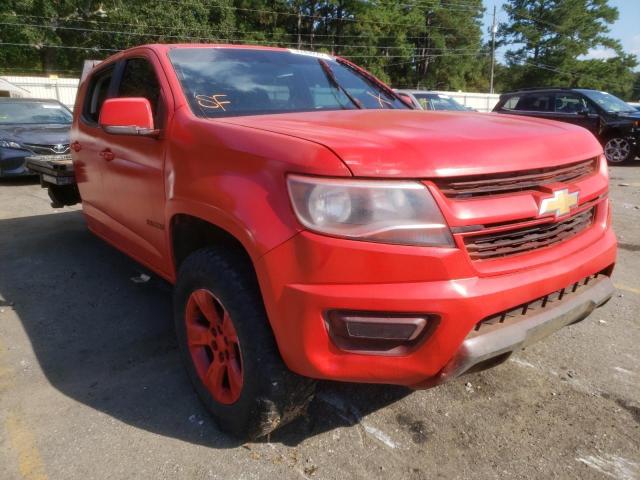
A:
91, 385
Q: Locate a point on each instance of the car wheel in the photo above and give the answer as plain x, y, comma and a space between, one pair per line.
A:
617, 150
229, 350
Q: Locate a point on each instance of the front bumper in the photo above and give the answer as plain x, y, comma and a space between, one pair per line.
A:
310, 274
485, 350
13, 163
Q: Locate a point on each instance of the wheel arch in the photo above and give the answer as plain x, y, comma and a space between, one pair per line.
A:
611, 132
189, 233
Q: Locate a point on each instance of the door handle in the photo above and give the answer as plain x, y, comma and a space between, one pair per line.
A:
76, 147
107, 154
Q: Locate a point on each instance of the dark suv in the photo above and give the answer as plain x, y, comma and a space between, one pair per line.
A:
615, 123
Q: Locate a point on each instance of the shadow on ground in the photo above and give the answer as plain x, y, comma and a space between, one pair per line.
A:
19, 181
108, 342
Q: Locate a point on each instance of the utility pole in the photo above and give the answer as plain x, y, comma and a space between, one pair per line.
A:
494, 29
299, 26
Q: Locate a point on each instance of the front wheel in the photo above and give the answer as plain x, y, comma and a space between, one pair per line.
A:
228, 347
617, 150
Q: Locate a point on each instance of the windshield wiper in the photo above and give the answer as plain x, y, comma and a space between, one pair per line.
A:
334, 81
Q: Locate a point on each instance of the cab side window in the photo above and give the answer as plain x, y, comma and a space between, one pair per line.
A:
97, 94
139, 80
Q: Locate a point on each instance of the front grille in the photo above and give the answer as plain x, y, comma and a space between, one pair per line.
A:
463, 187
54, 149
533, 307
521, 240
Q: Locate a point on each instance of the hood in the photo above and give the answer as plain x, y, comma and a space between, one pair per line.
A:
421, 144
631, 116
39, 134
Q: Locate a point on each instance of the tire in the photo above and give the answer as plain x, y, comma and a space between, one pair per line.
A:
618, 150
234, 365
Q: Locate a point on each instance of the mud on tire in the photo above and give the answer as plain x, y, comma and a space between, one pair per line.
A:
271, 395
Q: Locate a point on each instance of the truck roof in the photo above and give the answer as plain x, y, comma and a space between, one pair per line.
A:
163, 47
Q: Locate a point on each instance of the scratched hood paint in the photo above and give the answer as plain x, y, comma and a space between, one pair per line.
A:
421, 144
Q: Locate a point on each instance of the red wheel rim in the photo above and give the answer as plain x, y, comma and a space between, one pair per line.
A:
214, 346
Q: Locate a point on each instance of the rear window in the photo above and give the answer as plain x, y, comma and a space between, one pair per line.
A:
234, 81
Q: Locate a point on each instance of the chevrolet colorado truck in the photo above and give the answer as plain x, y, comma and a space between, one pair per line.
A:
317, 227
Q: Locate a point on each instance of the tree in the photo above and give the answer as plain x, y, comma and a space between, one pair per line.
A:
53, 35
635, 95
451, 56
550, 41
430, 43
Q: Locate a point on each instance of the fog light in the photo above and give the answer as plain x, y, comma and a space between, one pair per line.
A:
379, 333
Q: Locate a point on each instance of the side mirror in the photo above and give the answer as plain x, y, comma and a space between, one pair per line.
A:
407, 98
584, 111
127, 116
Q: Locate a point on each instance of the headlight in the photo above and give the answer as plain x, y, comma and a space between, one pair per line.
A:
9, 144
398, 212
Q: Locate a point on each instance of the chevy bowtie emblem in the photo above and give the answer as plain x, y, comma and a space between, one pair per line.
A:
560, 204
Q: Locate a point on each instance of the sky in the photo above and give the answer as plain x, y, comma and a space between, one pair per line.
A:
626, 28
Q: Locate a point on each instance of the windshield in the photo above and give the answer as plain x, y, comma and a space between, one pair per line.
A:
232, 81
33, 112
437, 102
609, 103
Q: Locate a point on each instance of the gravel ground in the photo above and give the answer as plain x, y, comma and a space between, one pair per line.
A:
91, 385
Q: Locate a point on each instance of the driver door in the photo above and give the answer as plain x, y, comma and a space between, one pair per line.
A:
134, 166
573, 108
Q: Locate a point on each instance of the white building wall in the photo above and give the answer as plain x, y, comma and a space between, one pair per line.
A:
61, 89
483, 102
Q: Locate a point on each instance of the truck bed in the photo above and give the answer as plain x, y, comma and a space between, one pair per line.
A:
57, 175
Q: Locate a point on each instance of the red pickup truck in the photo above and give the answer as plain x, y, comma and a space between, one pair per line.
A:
316, 227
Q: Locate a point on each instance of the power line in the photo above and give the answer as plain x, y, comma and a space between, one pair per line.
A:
405, 56
422, 57
40, 46
5, 69
570, 74
467, 7
537, 20
203, 28
116, 32
291, 14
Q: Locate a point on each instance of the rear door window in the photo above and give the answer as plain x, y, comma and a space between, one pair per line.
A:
536, 102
